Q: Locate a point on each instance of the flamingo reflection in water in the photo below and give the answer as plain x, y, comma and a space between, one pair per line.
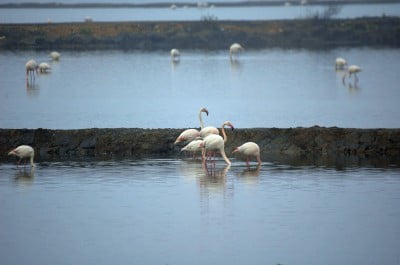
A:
25, 177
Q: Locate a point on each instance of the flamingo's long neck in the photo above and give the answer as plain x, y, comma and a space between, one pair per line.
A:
201, 120
224, 134
224, 156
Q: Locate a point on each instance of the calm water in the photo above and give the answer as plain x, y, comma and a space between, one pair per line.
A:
176, 212
267, 88
39, 15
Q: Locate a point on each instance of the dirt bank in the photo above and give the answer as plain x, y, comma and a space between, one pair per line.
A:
208, 34
315, 142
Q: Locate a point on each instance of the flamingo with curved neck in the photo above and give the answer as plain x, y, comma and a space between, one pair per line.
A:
191, 134
215, 142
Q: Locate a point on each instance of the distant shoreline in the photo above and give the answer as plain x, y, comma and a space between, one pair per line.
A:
191, 4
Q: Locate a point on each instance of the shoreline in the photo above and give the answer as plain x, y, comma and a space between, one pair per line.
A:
207, 34
190, 4
312, 145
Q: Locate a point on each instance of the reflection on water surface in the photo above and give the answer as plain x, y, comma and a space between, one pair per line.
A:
166, 211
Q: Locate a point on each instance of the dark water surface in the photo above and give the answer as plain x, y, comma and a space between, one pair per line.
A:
162, 211
43, 15
265, 88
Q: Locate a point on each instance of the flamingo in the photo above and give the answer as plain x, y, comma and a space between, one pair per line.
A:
340, 63
191, 134
31, 67
352, 70
249, 149
23, 151
175, 55
234, 50
44, 67
55, 56
214, 142
194, 146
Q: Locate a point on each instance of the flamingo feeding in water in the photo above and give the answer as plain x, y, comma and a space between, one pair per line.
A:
31, 67
340, 63
352, 70
249, 149
234, 51
191, 134
44, 68
23, 151
55, 56
214, 142
175, 55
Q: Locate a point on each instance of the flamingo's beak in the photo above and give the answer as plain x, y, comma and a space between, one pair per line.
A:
206, 111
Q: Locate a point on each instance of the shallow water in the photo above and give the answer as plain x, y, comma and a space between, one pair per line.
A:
177, 212
42, 15
264, 88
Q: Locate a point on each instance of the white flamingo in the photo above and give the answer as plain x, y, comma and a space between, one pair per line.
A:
191, 134
340, 63
23, 151
214, 142
194, 146
44, 68
55, 56
249, 149
352, 70
234, 51
31, 67
205, 131
175, 55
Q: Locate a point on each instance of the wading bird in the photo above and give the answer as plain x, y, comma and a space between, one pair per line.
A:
175, 55
31, 68
191, 134
352, 70
215, 142
249, 149
340, 63
23, 151
194, 147
55, 56
234, 51
44, 68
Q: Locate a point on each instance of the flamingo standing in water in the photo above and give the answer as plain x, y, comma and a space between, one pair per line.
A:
194, 146
249, 149
44, 68
340, 63
175, 55
191, 134
23, 151
55, 56
214, 142
31, 68
234, 51
352, 70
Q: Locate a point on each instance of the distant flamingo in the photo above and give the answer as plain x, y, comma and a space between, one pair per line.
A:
55, 56
23, 151
234, 51
249, 149
194, 146
191, 134
175, 55
340, 63
44, 67
215, 142
352, 70
31, 67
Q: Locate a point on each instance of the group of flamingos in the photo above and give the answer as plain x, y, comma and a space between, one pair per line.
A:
208, 141
32, 67
341, 64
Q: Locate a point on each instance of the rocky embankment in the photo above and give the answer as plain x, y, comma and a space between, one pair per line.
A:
310, 143
208, 34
